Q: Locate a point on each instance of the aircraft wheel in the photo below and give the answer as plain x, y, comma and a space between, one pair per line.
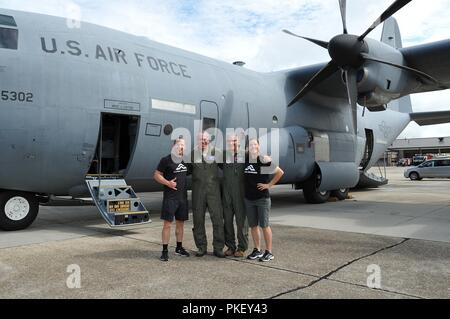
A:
340, 194
311, 191
18, 210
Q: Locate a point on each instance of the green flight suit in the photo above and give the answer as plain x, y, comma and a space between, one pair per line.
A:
233, 205
206, 194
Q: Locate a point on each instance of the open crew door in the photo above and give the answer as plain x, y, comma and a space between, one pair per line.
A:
369, 179
116, 201
368, 149
116, 144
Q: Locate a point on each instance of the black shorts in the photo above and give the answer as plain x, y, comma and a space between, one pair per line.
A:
174, 209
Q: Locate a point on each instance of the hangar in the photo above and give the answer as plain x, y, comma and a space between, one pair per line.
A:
407, 148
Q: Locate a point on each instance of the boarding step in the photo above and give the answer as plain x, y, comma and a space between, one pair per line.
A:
117, 202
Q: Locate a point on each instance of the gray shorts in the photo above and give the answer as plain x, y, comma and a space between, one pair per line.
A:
258, 212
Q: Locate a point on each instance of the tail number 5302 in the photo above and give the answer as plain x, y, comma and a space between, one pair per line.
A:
14, 96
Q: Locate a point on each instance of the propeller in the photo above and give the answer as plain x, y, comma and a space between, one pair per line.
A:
396, 6
323, 74
343, 7
352, 92
403, 67
323, 44
348, 52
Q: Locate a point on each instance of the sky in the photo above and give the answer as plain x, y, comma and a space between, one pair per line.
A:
250, 30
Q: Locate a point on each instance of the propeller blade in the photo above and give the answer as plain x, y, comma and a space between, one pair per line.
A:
319, 77
323, 44
416, 72
397, 5
352, 91
343, 6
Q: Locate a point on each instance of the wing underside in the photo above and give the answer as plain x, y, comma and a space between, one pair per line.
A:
432, 59
431, 118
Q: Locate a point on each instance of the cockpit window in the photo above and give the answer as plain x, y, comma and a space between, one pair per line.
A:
8, 38
7, 20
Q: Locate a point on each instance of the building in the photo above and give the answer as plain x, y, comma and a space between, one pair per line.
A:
407, 148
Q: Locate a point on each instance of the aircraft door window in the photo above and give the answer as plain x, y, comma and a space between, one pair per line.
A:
208, 123
9, 38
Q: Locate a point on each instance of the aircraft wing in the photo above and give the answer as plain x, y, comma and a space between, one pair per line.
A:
431, 118
432, 59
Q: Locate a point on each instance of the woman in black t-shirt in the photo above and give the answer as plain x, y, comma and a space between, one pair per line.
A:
259, 178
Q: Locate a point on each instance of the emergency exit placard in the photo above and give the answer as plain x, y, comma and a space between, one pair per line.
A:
119, 206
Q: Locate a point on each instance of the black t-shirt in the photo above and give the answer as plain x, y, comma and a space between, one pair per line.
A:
253, 176
172, 170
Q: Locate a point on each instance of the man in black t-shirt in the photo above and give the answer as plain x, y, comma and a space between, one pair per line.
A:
257, 199
172, 173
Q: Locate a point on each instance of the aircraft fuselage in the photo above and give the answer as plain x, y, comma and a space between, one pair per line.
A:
58, 83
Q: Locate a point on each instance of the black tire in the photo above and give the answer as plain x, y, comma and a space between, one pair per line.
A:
414, 176
311, 191
25, 201
340, 194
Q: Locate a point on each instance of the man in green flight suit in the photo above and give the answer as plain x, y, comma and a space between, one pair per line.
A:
206, 194
233, 198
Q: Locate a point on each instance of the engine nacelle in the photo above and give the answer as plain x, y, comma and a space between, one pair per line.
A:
378, 83
375, 101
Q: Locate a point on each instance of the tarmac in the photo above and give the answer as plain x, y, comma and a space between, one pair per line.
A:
391, 242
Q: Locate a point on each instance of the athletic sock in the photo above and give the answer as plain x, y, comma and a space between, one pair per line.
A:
165, 247
179, 244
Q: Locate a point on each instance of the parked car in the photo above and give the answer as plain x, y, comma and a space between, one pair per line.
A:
434, 168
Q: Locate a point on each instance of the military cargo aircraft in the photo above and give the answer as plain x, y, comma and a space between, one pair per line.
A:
91, 103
